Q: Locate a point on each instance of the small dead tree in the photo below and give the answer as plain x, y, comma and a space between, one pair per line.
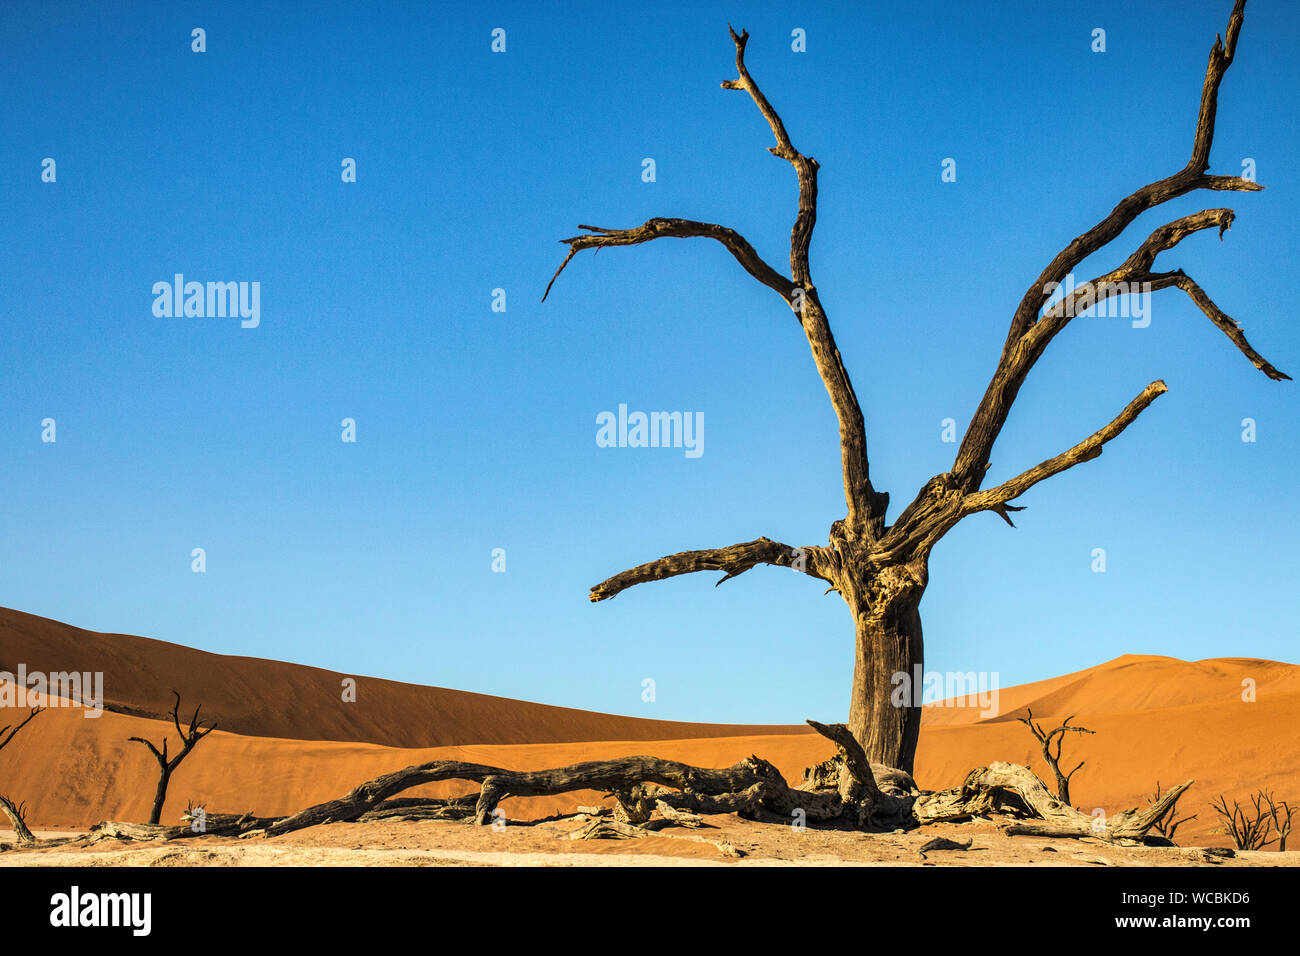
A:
1053, 757
879, 564
1167, 826
1281, 816
17, 812
166, 767
1249, 831
9, 731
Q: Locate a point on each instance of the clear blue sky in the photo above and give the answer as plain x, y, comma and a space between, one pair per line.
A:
476, 429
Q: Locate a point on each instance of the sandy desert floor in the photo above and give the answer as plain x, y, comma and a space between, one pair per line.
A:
446, 843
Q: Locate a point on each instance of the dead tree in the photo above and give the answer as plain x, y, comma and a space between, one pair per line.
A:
10, 731
1053, 757
166, 767
880, 568
1167, 826
17, 812
1249, 831
1280, 813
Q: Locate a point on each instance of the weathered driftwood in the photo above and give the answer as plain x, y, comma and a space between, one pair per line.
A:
847, 791
213, 824
857, 799
1011, 788
679, 818
418, 808
750, 783
865, 801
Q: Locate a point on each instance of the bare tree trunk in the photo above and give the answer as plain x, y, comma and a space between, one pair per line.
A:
888, 643
189, 740
160, 796
880, 570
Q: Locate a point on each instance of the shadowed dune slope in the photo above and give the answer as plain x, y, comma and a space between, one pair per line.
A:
264, 698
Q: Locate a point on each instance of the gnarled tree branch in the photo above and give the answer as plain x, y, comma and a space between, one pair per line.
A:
866, 506
9, 732
992, 499
1135, 275
1019, 352
805, 167
736, 244
1226, 323
734, 560
1052, 754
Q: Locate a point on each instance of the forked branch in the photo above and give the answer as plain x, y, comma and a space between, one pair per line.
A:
167, 766
866, 507
1051, 741
1135, 276
805, 167
1028, 334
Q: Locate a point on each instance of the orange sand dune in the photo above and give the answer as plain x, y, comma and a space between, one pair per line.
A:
1128, 683
1156, 719
74, 771
264, 698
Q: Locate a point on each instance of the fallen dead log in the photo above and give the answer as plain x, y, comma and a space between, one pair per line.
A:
1011, 788
416, 808
863, 795
213, 824
846, 790
44, 843
748, 784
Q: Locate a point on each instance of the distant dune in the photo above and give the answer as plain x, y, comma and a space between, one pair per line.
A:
264, 698
287, 741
